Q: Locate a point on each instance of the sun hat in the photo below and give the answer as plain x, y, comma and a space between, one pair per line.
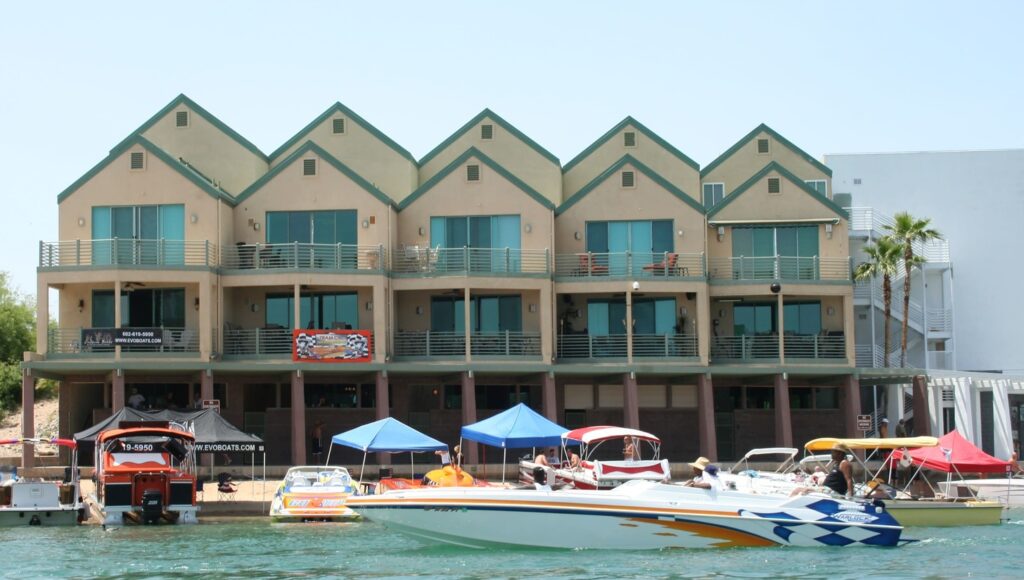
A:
886, 421
701, 463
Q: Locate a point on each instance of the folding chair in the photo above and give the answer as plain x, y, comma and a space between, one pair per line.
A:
226, 489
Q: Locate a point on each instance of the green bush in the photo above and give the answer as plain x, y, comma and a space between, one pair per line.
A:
10, 386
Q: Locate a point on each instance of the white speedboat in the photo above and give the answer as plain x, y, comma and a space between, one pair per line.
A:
42, 502
638, 515
592, 473
1008, 491
313, 493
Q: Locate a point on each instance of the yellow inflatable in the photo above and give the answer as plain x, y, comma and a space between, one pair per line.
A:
448, 476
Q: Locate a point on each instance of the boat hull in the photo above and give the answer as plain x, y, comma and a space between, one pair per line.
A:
68, 516
944, 513
1009, 492
648, 517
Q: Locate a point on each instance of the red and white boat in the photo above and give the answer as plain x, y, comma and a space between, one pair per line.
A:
146, 474
589, 472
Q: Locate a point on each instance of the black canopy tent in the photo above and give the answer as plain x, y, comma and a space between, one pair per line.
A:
213, 433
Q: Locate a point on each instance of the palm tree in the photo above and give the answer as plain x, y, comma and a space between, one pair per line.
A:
884, 261
907, 230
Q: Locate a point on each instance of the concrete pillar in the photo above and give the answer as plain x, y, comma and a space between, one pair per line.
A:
297, 313
382, 411
783, 417
380, 324
117, 390
548, 400
922, 424
469, 412
849, 324
28, 417
780, 304
630, 401
467, 321
298, 418
1001, 428
706, 417
117, 318
851, 405
42, 316
629, 327
964, 409
547, 324
206, 322
206, 385
893, 406
704, 324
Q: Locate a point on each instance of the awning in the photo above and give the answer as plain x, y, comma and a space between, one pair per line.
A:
955, 454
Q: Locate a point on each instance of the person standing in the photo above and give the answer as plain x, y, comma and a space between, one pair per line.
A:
316, 439
629, 449
883, 428
901, 428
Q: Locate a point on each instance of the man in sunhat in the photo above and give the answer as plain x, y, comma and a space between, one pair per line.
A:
705, 475
840, 479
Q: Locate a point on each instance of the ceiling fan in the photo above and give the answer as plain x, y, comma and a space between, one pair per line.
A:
131, 286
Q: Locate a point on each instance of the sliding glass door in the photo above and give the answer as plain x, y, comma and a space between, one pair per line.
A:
329, 311
145, 235
477, 243
637, 242
784, 252
321, 237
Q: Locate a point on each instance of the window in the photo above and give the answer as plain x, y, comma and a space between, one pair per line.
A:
138, 234
819, 185
487, 132
181, 119
312, 227
498, 234
488, 314
796, 247
762, 146
141, 308
473, 172
309, 166
774, 185
137, 161
628, 179
802, 319
713, 193
645, 240
629, 139
651, 316
330, 311
338, 126
856, 181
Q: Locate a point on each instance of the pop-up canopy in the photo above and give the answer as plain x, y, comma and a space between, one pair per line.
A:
389, 436
954, 454
515, 428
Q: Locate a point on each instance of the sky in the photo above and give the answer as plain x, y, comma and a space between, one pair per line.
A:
833, 77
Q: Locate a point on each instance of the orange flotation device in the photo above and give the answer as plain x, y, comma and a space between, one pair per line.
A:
448, 476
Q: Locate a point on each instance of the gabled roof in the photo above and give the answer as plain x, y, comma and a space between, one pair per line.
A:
774, 166
473, 152
347, 112
746, 139
184, 100
607, 173
178, 165
489, 114
639, 127
310, 146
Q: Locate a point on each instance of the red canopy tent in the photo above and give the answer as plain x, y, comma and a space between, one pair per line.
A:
954, 454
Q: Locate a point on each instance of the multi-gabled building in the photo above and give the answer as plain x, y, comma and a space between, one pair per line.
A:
630, 286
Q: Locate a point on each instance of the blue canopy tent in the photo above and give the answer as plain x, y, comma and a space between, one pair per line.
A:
516, 428
387, 435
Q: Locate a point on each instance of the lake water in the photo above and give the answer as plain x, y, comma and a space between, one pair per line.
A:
257, 548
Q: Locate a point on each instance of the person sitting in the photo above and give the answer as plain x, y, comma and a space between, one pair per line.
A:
705, 475
541, 460
629, 452
840, 479
574, 460
137, 400
553, 456
225, 484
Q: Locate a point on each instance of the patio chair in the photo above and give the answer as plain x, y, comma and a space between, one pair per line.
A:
589, 267
226, 488
666, 267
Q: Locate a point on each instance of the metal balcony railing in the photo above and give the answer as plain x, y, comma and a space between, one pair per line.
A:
336, 257
815, 347
74, 342
427, 343
428, 261
940, 320
589, 346
601, 266
505, 344
868, 219
761, 348
241, 342
128, 252
779, 268
665, 346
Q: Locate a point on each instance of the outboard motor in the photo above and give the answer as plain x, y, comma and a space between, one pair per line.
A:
152, 506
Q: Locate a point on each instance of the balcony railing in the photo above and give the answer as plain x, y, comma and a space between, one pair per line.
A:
614, 346
505, 344
127, 252
428, 261
808, 269
427, 344
815, 347
601, 266
665, 346
73, 342
336, 257
745, 348
247, 342
868, 219
940, 320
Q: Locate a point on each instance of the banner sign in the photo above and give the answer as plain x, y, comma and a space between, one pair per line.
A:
93, 337
229, 448
341, 346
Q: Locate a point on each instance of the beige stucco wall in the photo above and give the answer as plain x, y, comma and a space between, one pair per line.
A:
116, 184
507, 150
646, 151
406, 303
746, 161
791, 203
365, 154
329, 189
208, 149
492, 195
611, 201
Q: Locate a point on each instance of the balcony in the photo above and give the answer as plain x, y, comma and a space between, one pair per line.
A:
830, 348
791, 268
816, 348
598, 266
296, 256
258, 342
426, 261
867, 221
77, 343
120, 253
426, 344
614, 347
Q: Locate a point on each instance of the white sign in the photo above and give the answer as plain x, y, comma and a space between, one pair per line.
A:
864, 422
212, 404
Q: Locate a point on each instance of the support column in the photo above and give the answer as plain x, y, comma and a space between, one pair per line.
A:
964, 410
1002, 437
117, 320
467, 320
117, 390
630, 401
782, 347
783, 417
548, 400
383, 404
469, 412
206, 322
706, 417
206, 385
851, 404
849, 323
629, 327
922, 425
704, 326
297, 313
298, 418
28, 417
42, 316
547, 324
380, 324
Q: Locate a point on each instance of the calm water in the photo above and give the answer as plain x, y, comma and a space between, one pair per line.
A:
256, 548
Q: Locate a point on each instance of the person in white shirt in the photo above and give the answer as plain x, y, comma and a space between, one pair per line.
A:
705, 475
137, 400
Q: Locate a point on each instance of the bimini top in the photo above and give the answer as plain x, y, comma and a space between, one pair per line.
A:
589, 435
54, 441
827, 443
144, 432
955, 454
